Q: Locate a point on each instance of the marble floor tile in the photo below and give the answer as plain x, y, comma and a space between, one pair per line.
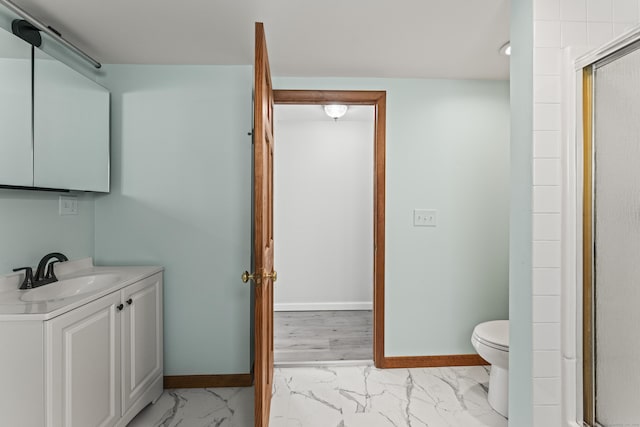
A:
354, 396
314, 336
339, 396
199, 407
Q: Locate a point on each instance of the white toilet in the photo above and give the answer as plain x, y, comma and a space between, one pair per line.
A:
491, 341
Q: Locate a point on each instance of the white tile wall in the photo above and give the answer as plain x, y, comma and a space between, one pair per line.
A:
625, 11
570, 10
546, 309
546, 144
573, 34
546, 416
546, 61
546, 199
546, 34
599, 33
546, 281
546, 364
546, 116
599, 11
546, 336
546, 391
546, 89
546, 171
546, 254
546, 226
547, 10
621, 27
557, 24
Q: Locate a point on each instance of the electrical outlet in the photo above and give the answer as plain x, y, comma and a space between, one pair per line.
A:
424, 218
68, 205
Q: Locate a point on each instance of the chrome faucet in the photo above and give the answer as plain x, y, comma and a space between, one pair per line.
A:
44, 273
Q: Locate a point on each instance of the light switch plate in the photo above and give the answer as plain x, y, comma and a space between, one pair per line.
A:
68, 205
424, 218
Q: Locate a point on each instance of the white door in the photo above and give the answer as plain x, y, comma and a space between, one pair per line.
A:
141, 338
84, 378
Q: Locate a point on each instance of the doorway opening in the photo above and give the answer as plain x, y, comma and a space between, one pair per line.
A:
329, 224
323, 217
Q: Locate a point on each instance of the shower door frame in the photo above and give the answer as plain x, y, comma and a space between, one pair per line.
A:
588, 66
588, 326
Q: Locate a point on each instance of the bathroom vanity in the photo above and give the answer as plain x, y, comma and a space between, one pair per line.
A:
82, 352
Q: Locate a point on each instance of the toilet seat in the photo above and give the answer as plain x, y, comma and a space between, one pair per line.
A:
494, 334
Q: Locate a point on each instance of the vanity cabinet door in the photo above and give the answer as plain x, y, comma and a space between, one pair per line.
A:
83, 378
141, 338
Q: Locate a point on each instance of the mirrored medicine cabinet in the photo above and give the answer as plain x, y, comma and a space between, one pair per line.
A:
54, 121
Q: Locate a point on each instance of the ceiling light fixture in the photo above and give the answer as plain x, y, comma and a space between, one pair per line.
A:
335, 111
505, 49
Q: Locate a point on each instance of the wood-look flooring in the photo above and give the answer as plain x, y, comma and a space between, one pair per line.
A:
322, 336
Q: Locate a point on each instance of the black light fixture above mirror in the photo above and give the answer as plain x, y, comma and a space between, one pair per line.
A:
55, 34
26, 32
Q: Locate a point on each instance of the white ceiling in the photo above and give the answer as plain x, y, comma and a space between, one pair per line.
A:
345, 38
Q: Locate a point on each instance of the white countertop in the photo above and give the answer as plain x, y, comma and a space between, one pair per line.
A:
13, 308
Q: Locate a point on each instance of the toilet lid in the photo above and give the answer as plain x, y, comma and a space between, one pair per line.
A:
494, 333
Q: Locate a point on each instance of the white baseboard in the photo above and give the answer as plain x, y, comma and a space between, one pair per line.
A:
323, 306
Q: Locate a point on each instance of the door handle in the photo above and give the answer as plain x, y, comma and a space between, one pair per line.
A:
246, 277
273, 275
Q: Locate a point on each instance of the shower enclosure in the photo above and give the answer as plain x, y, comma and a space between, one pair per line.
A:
611, 237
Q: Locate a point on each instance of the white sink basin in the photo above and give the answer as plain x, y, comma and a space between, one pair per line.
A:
70, 287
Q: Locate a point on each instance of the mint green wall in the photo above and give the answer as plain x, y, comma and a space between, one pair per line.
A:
447, 149
180, 197
520, 300
30, 225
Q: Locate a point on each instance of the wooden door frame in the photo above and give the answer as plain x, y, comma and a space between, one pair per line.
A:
377, 99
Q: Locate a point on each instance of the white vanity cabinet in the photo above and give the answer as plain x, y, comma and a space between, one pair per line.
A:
106, 357
94, 365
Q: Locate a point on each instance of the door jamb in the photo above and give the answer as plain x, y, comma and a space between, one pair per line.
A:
378, 99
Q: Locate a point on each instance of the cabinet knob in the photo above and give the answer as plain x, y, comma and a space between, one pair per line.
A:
129, 301
120, 307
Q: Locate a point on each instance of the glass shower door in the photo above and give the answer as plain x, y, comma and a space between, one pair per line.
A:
616, 239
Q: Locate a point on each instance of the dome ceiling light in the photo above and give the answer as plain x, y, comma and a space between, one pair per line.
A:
335, 111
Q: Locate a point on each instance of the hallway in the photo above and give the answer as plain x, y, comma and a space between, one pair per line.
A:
320, 336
